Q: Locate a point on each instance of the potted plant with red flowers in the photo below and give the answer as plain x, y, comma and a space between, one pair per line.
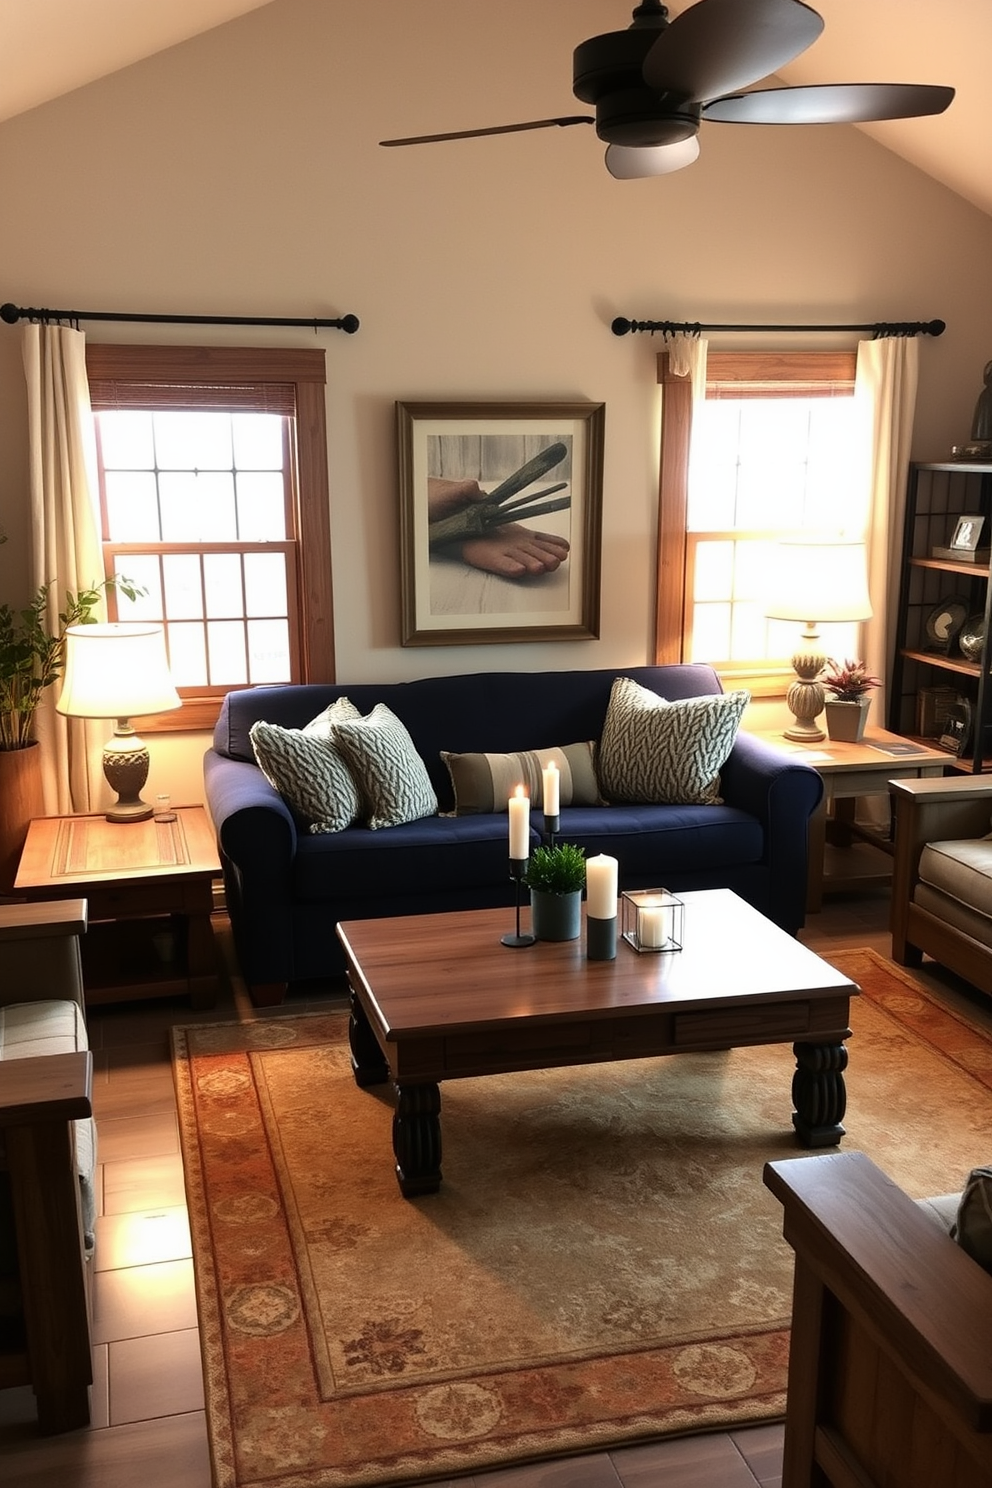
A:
847, 706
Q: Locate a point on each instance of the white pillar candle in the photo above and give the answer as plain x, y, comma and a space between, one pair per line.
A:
652, 926
552, 782
519, 809
601, 887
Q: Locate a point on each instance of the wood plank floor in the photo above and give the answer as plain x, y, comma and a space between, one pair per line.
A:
148, 1425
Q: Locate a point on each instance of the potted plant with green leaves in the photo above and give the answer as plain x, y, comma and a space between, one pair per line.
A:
556, 876
846, 708
32, 657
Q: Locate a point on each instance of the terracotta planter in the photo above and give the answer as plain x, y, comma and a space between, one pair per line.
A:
556, 916
846, 721
21, 800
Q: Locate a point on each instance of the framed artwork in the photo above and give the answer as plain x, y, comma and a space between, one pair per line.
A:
966, 533
500, 521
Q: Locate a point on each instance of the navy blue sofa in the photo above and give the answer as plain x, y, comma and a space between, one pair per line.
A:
287, 888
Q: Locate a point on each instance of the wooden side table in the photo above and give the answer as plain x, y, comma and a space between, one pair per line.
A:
849, 771
150, 895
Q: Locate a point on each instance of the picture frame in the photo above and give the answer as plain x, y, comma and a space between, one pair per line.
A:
967, 531
469, 578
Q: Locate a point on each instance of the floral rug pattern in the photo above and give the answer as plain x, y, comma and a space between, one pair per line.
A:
602, 1265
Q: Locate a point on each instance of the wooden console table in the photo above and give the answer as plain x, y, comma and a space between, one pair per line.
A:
149, 889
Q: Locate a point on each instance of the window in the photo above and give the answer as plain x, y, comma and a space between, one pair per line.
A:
775, 449
213, 497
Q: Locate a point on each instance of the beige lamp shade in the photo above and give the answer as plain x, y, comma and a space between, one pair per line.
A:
820, 580
119, 670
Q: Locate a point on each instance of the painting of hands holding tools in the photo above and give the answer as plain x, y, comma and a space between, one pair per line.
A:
501, 523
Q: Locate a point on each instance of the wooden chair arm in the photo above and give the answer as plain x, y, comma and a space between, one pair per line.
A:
924, 1301
40, 921
934, 810
39, 951
50, 1087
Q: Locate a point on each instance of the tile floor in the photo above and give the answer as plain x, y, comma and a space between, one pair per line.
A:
148, 1423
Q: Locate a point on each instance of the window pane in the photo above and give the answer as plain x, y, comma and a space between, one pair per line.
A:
143, 570
228, 665
132, 506
710, 632
261, 507
747, 632
265, 584
257, 441
183, 594
268, 651
714, 577
193, 441
222, 585
187, 655
198, 507
126, 440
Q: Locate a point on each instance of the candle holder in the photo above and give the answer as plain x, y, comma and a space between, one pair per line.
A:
518, 867
601, 938
552, 825
652, 919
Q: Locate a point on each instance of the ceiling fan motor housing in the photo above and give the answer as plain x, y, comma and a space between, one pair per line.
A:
607, 71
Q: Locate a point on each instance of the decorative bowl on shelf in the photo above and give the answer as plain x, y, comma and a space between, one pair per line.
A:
971, 637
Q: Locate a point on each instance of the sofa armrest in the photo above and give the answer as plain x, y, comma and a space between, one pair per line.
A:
252, 821
884, 1302
930, 810
782, 792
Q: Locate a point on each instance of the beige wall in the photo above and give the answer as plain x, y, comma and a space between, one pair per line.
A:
240, 174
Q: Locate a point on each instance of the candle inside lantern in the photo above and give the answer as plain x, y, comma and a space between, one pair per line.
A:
551, 790
601, 887
652, 926
519, 809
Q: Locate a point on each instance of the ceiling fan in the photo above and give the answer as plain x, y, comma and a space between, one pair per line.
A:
653, 84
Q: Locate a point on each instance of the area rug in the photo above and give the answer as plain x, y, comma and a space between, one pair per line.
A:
603, 1264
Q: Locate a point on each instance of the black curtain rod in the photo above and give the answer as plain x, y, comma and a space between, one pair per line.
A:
13, 313
694, 328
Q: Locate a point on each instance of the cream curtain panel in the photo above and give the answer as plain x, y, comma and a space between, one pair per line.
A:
885, 383
65, 538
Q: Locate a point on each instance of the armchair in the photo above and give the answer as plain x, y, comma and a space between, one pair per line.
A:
942, 875
47, 1151
890, 1377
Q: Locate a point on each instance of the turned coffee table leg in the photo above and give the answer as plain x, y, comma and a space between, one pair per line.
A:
367, 1062
417, 1139
819, 1094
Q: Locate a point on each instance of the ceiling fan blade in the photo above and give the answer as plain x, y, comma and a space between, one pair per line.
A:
831, 103
720, 46
430, 139
634, 162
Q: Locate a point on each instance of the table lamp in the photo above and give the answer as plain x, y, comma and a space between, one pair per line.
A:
817, 581
119, 670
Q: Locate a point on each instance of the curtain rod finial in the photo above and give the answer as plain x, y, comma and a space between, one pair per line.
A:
620, 326
9, 313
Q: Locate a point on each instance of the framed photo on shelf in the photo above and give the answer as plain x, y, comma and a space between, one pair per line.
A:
500, 521
966, 534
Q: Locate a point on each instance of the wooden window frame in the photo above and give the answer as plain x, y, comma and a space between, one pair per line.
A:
758, 374
128, 369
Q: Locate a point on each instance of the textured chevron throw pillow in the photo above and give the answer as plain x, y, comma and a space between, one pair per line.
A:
484, 782
392, 778
665, 752
306, 769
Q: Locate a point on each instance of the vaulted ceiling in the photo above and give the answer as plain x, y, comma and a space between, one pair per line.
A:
53, 46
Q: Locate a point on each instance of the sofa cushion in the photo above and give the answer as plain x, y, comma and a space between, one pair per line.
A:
431, 856
666, 752
29, 1030
485, 782
961, 869
392, 778
307, 770
973, 1224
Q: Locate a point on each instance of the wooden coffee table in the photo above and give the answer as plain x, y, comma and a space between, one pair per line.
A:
438, 997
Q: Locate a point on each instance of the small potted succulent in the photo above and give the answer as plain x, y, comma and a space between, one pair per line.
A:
847, 706
556, 876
